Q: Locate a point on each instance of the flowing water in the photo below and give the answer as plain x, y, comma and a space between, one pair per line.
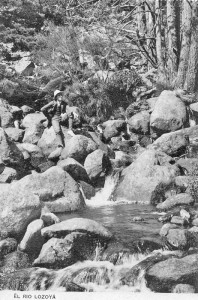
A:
117, 216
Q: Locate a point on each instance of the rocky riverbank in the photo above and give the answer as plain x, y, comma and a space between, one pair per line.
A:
152, 156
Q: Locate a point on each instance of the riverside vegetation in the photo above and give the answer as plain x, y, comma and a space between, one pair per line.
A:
128, 68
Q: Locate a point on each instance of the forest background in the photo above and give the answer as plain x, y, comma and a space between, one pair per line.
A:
105, 54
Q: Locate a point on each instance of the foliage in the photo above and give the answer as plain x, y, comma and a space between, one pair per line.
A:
193, 183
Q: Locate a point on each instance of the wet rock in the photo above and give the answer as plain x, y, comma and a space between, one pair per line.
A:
145, 180
188, 165
78, 148
6, 246
59, 253
177, 239
166, 218
176, 200
183, 288
74, 168
88, 190
173, 143
6, 116
113, 128
178, 220
169, 114
8, 175
97, 164
163, 276
35, 279
15, 134
10, 155
32, 241
139, 123
137, 219
166, 227
77, 224
14, 261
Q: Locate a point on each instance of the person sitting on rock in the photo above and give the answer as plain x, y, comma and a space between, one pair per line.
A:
55, 111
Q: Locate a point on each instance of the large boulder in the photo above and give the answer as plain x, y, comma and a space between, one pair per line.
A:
33, 241
113, 128
139, 123
145, 181
14, 261
177, 239
163, 276
15, 134
176, 200
87, 189
60, 253
74, 168
49, 142
6, 117
188, 165
169, 114
78, 148
33, 124
173, 143
10, 155
21, 202
97, 164
90, 227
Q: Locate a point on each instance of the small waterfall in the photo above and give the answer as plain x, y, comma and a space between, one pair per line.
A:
103, 196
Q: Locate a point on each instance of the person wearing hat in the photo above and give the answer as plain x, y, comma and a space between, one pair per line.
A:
54, 111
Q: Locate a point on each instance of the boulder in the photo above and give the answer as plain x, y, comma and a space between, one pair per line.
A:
15, 134
34, 128
2, 166
151, 103
183, 288
49, 142
27, 110
188, 165
182, 183
21, 203
90, 227
173, 143
166, 227
60, 253
14, 261
8, 175
139, 123
36, 156
176, 200
145, 181
6, 117
32, 241
178, 239
113, 128
24, 66
74, 168
49, 218
178, 220
169, 114
195, 222
194, 110
163, 276
6, 246
10, 155
78, 148
87, 189
97, 164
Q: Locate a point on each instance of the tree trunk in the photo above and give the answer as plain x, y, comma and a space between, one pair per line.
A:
159, 38
192, 71
173, 13
186, 40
